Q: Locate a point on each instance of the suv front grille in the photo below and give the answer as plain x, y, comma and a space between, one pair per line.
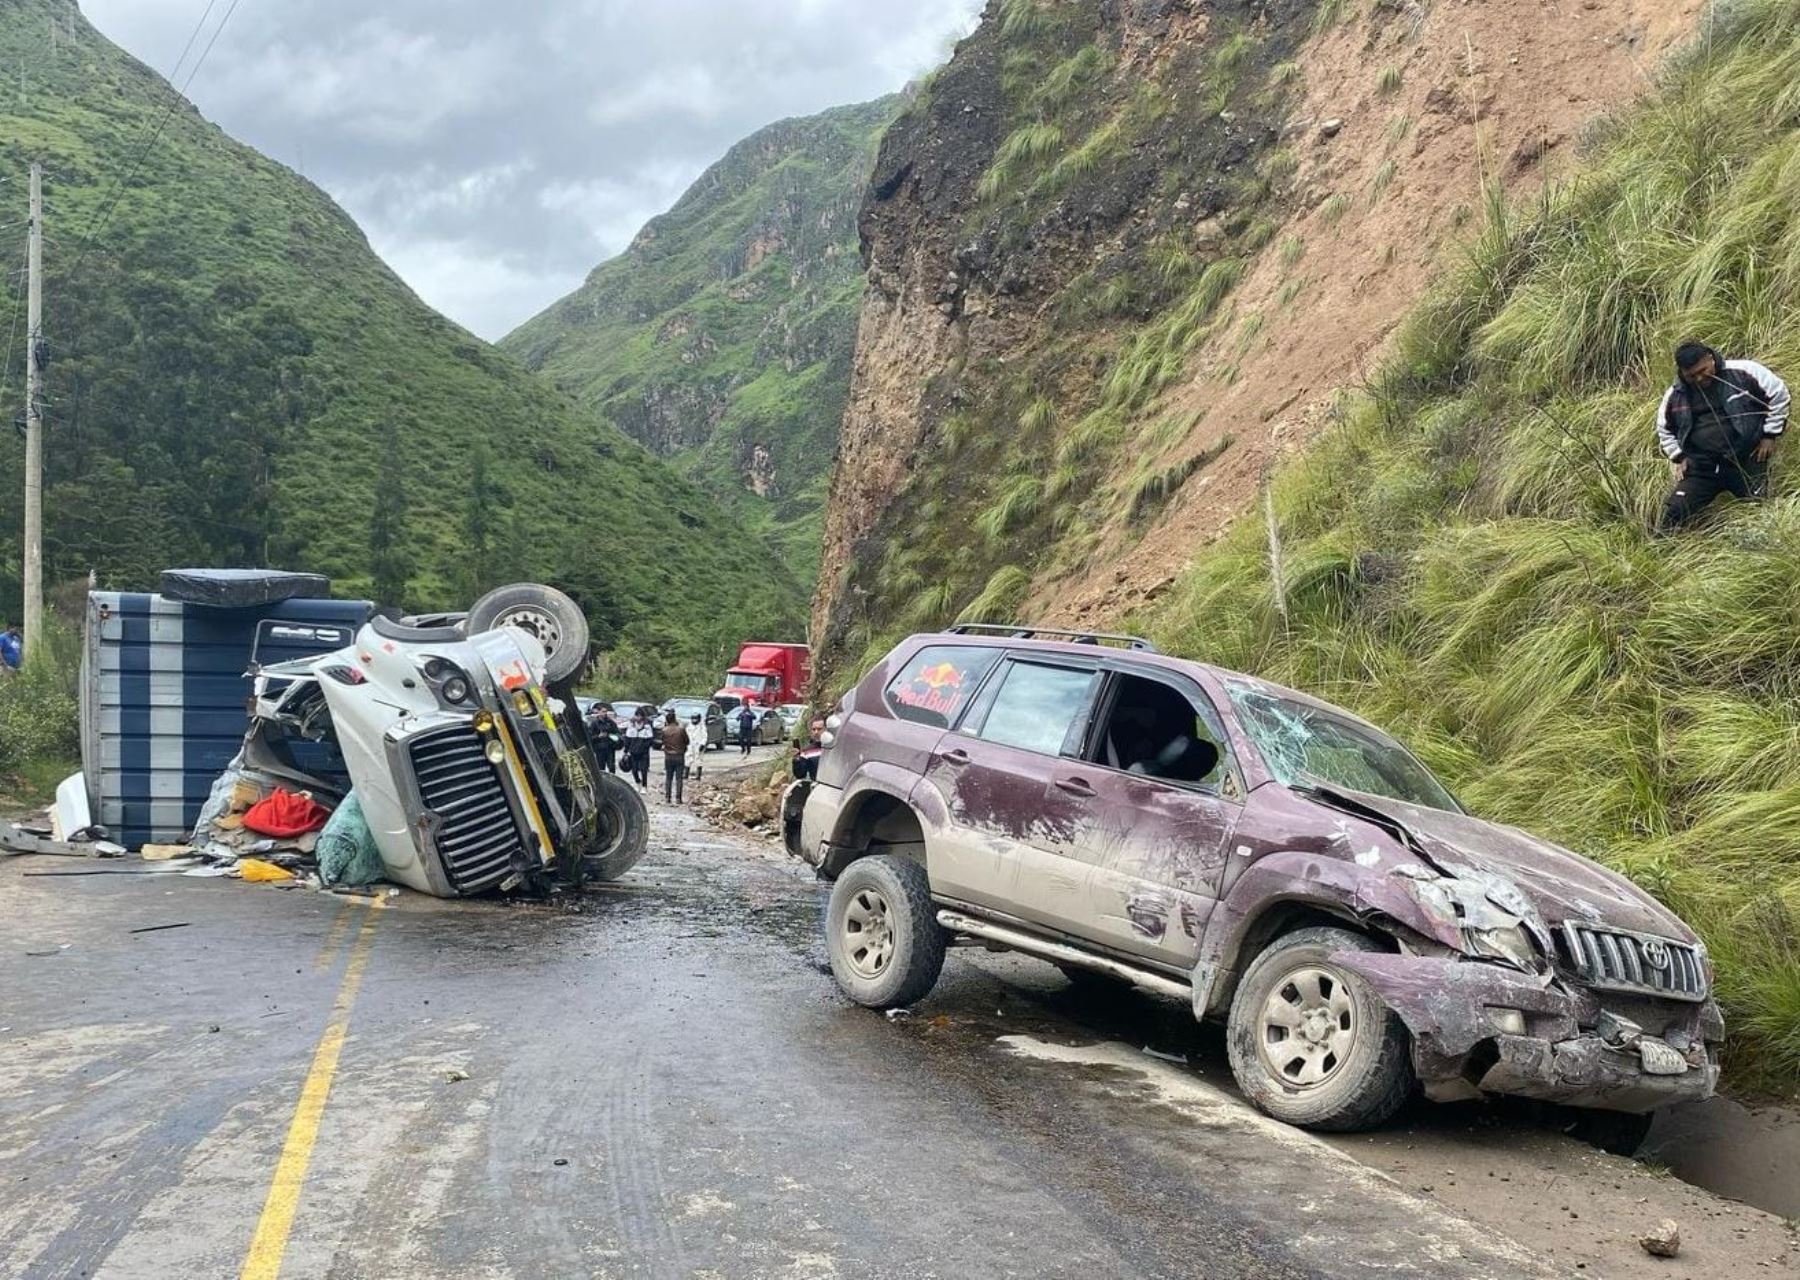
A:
476, 834
1617, 960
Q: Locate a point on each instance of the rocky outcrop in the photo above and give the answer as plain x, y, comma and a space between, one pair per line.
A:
1050, 260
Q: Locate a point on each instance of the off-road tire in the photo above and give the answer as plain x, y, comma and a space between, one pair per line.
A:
626, 822
898, 893
551, 616
1374, 1076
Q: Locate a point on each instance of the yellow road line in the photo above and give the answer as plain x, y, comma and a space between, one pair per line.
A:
272, 1229
334, 935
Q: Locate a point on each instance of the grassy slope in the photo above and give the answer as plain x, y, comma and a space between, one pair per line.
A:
230, 356
1467, 558
734, 354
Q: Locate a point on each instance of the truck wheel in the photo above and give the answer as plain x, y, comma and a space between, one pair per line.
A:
1311, 1043
624, 830
555, 620
882, 934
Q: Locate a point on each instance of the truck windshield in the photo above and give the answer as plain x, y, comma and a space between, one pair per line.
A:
1304, 744
749, 680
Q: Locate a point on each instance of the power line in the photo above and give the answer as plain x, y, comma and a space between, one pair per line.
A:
175, 100
13, 330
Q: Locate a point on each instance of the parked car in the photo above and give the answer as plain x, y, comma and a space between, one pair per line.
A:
625, 711
1270, 858
769, 728
463, 744
712, 718
792, 715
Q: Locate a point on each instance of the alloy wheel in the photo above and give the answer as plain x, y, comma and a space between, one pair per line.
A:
1307, 1027
867, 934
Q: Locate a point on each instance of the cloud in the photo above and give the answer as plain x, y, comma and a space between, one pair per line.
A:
496, 154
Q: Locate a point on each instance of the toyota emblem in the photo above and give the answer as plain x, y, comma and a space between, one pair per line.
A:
1656, 953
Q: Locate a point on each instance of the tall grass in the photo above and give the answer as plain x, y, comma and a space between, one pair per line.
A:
39, 716
1468, 551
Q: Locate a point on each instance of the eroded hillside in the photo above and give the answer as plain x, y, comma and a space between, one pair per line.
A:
1121, 256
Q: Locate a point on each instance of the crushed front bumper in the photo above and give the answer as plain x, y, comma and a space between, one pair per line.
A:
1455, 1007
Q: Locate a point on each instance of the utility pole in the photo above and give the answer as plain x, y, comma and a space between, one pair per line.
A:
34, 422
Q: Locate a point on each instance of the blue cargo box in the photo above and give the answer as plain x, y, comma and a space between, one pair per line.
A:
164, 697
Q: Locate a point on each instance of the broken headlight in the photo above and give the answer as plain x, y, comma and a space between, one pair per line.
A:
1493, 916
1505, 942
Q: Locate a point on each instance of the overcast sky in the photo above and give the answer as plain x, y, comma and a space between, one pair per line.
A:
494, 153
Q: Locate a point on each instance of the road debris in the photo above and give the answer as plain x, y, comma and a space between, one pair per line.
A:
1665, 1241
259, 872
158, 928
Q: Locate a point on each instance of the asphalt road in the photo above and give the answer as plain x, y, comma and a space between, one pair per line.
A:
654, 1080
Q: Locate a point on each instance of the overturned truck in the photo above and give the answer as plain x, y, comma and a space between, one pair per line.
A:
461, 737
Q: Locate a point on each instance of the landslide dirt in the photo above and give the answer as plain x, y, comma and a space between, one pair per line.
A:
1506, 83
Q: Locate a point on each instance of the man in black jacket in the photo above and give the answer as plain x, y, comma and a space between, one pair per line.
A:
1717, 426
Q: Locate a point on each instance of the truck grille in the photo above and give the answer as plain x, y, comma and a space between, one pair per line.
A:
1615, 960
476, 835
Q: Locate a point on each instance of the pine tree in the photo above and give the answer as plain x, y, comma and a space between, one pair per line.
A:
389, 563
483, 514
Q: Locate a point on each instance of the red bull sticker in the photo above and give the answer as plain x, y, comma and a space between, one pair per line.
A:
939, 688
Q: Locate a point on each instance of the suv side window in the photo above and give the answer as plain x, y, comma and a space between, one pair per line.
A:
937, 684
1037, 707
1151, 727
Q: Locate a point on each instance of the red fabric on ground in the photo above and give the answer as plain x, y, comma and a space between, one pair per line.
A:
285, 814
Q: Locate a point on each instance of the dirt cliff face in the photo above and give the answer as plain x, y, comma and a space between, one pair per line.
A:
1122, 254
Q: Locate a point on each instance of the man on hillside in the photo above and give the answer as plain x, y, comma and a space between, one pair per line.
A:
1718, 426
12, 649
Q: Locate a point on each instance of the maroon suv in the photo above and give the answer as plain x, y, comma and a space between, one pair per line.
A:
1270, 857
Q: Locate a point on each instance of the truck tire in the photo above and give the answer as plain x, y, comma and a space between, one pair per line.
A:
882, 934
624, 827
1311, 1043
555, 620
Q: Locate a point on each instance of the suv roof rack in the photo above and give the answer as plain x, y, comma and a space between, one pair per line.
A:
1015, 632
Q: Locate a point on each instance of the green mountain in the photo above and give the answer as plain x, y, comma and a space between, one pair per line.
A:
722, 336
238, 379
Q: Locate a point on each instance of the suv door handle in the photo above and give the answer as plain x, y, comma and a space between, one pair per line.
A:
956, 756
1075, 786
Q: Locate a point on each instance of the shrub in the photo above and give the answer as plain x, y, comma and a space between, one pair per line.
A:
39, 706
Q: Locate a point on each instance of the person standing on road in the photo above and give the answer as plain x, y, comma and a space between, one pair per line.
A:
12, 649
696, 752
638, 738
746, 727
603, 732
675, 752
1717, 426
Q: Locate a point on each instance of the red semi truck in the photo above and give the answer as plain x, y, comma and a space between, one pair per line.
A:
766, 674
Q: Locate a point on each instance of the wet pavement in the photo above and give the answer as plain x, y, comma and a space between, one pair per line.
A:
656, 1079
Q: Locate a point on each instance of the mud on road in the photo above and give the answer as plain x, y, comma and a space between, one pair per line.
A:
660, 1079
